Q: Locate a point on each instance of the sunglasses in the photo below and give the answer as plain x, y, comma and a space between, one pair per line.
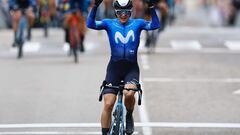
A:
123, 12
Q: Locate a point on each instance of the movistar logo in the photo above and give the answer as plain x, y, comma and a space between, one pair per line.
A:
124, 40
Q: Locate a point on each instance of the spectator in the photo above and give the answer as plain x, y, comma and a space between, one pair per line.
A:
235, 7
4, 10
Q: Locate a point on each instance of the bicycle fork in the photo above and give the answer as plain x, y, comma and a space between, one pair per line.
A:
117, 127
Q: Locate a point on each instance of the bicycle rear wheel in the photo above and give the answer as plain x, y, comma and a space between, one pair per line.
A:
74, 42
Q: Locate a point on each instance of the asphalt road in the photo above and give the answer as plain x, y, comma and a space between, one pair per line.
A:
191, 84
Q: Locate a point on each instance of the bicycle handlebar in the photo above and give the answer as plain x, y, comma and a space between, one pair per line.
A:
121, 87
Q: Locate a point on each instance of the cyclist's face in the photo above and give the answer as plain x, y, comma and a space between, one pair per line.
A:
123, 15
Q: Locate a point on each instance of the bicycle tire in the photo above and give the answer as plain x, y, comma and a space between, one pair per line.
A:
75, 55
117, 121
20, 37
45, 29
122, 130
74, 41
20, 52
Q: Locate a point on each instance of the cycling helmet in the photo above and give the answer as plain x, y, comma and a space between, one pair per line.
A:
122, 4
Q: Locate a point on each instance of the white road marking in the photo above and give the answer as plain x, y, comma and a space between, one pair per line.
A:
237, 92
51, 125
142, 109
28, 47
88, 46
147, 130
142, 43
142, 48
31, 47
52, 133
201, 30
189, 125
204, 50
66, 47
233, 45
137, 124
49, 133
186, 45
203, 80
144, 61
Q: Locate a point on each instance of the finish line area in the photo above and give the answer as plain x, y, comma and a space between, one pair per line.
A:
54, 128
97, 125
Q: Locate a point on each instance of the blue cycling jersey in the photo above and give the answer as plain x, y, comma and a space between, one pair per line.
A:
124, 38
22, 4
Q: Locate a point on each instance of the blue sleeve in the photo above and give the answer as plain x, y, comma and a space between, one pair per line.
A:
154, 24
91, 23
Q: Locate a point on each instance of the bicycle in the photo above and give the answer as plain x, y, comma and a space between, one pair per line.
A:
118, 121
21, 34
44, 16
151, 40
74, 35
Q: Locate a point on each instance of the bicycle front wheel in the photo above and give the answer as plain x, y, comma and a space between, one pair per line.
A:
117, 122
20, 51
74, 42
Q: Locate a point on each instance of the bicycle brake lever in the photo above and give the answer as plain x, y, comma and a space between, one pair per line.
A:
101, 90
100, 97
139, 98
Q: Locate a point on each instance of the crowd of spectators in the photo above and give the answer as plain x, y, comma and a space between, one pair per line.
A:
220, 12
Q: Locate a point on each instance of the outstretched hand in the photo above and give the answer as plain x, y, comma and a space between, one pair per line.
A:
98, 2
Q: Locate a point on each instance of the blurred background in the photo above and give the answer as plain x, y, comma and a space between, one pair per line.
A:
216, 13
189, 69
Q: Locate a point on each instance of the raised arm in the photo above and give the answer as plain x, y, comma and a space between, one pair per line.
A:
155, 23
91, 23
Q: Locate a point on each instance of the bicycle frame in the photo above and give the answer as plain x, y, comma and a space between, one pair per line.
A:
118, 121
119, 109
75, 35
44, 16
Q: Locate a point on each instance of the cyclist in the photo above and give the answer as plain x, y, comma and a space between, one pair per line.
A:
124, 36
171, 10
165, 12
15, 7
49, 6
81, 7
